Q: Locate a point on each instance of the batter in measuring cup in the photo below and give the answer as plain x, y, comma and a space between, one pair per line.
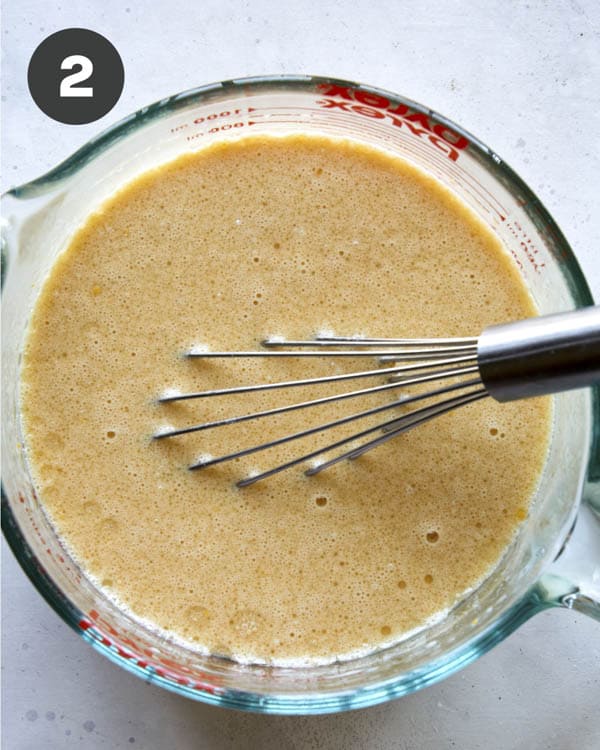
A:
260, 237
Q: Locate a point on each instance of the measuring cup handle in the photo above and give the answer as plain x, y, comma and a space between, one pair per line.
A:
573, 579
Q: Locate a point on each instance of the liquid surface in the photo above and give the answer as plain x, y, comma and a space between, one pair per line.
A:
272, 237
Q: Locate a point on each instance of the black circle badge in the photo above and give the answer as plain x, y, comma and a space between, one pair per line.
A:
75, 76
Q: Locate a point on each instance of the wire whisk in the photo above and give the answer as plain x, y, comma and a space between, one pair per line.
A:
507, 362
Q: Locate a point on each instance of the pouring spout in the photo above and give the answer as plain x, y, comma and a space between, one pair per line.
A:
573, 579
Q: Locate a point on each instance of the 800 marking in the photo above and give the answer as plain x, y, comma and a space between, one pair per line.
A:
217, 129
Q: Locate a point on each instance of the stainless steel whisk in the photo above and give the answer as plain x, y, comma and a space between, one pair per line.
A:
511, 361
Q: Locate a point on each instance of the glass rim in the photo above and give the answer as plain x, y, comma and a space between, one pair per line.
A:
313, 702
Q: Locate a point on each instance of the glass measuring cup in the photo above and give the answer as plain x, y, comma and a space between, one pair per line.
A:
39, 219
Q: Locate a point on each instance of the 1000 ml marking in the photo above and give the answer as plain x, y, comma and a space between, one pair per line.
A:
215, 116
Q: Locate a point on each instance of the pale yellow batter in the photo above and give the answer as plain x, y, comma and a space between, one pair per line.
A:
268, 236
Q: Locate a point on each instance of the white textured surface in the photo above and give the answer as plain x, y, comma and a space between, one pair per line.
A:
523, 77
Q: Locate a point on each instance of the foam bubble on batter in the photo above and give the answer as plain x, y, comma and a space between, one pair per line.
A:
204, 458
326, 333
171, 393
164, 429
274, 339
196, 349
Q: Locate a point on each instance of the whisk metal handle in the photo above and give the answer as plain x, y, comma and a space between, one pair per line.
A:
542, 355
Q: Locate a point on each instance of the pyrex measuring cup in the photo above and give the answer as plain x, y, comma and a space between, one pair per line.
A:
542, 568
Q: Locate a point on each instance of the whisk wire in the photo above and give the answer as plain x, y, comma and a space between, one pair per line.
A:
324, 340
318, 401
334, 423
436, 359
425, 411
169, 397
394, 428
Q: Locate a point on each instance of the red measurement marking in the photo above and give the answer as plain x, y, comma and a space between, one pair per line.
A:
228, 126
294, 108
161, 665
528, 249
202, 119
516, 258
217, 115
218, 129
325, 126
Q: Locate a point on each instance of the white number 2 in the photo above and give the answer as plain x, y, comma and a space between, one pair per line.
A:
67, 84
